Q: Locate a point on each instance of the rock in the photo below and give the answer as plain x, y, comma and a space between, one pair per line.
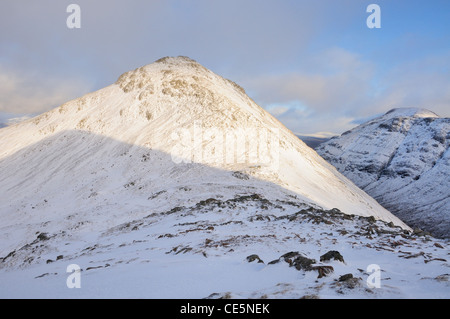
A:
254, 257
323, 270
310, 297
351, 283
295, 259
420, 232
43, 236
303, 263
371, 219
345, 277
332, 254
59, 257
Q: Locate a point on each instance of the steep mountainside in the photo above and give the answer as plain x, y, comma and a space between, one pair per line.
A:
402, 159
162, 184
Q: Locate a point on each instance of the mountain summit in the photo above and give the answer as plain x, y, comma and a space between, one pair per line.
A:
173, 183
402, 159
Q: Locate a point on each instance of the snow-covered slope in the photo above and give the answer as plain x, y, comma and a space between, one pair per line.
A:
402, 159
173, 109
173, 174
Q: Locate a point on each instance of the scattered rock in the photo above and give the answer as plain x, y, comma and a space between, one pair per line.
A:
371, 219
240, 175
310, 297
442, 278
438, 245
45, 274
332, 254
345, 277
43, 236
420, 232
303, 263
323, 270
254, 257
346, 281
273, 262
295, 259
97, 267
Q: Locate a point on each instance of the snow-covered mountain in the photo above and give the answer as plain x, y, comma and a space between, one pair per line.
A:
161, 184
402, 159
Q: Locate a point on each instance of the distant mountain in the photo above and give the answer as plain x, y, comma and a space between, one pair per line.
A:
7, 119
402, 159
313, 141
173, 183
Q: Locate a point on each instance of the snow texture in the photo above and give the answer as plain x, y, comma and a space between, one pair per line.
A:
401, 159
102, 182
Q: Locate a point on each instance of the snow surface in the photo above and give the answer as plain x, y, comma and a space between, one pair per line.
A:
402, 159
98, 182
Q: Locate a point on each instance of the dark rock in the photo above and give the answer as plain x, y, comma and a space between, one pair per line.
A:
323, 270
345, 277
303, 263
371, 219
240, 175
291, 254
254, 257
310, 297
295, 259
59, 257
273, 262
332, 254
43, 236
351, 283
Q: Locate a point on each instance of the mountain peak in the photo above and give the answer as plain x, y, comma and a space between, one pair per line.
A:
402, 160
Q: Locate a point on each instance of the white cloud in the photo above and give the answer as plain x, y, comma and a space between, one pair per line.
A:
338, 88
23, 93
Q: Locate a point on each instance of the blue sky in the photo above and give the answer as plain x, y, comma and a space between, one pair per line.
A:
313, 64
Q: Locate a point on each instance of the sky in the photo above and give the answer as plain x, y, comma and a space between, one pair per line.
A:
315, 65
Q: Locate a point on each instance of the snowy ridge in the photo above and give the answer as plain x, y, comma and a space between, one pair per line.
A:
95, 183
402, 160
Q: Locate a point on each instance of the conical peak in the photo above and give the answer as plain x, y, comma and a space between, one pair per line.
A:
184, 84
178, 61
167, 69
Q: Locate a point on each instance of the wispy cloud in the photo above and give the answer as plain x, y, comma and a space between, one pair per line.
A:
23, 93
346, 90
